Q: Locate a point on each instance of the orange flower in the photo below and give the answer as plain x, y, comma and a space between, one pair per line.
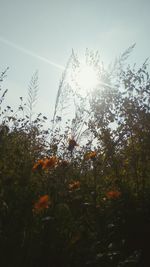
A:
90, 155
50, 162
45, 163
74, 185
72, 144
113, 194
38, 165
42, 204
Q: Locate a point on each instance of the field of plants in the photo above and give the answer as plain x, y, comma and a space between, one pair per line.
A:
71, 201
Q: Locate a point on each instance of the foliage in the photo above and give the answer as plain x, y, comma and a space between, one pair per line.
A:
64, 203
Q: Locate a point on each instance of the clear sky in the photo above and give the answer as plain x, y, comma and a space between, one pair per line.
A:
51, 28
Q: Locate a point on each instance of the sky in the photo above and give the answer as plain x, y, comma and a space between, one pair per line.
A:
40, 34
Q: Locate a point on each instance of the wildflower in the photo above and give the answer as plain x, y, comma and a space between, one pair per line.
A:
45, 163
42, 204
113, 194
50, 162
74, 185
72, 144
38, 165
90, 155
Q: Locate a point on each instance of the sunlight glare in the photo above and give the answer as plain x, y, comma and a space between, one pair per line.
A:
87, 78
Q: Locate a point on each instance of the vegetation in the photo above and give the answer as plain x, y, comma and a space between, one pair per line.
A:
65, 202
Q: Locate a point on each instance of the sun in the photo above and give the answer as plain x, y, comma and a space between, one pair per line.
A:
86, 78
83, 78
83, 74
